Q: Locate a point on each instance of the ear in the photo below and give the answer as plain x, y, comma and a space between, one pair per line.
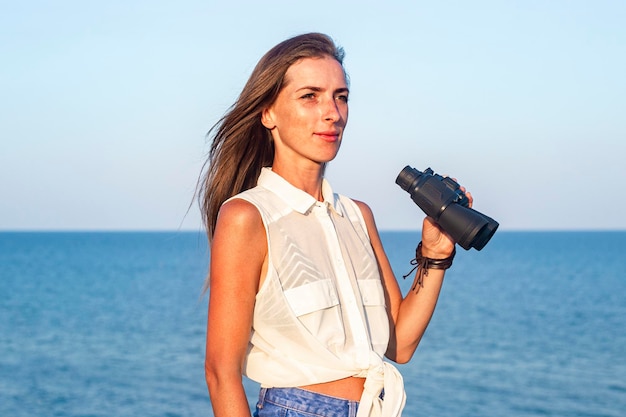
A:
267, 118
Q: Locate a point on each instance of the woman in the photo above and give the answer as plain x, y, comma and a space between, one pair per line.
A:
302, 298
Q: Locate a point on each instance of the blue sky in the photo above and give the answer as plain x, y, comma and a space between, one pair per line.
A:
104, 106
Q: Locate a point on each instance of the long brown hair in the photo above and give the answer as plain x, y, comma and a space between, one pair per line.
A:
241, 145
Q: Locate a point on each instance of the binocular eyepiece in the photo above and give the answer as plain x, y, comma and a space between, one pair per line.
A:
442, 199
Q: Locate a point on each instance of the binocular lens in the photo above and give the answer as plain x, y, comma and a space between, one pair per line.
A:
442, 199
469, 228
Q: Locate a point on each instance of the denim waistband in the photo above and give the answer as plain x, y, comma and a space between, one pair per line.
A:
308, 402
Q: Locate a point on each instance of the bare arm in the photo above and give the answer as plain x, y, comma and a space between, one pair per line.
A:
409, 315
238, 252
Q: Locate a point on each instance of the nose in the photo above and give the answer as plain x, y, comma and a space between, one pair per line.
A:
331, 111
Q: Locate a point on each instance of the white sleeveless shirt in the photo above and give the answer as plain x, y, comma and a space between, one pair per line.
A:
320, 314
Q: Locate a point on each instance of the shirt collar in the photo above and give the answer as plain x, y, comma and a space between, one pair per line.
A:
297, 199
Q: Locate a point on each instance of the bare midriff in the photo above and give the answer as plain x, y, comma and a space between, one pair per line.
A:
350, 388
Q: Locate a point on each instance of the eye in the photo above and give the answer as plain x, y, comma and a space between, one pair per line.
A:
342, 97
308, 96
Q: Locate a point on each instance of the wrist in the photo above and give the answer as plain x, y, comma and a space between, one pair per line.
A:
432, 253
436, 261
424, 263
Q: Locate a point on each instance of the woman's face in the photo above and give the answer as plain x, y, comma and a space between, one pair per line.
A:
309, 115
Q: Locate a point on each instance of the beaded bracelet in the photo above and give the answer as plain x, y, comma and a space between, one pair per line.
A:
423, 264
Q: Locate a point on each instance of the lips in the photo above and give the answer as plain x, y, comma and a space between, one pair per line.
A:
329, 136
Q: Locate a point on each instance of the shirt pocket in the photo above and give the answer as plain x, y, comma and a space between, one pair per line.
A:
311, 297
373, 297
372, 293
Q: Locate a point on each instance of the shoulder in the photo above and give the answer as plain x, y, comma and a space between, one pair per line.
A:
239, 237
366, 211
239, 213
368, 218
353, 206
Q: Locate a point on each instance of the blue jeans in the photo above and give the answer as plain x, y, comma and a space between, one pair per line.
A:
296, 402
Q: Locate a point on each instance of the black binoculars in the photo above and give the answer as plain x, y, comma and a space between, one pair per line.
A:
441, 198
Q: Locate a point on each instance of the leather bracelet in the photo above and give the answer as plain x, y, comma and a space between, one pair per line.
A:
423, 264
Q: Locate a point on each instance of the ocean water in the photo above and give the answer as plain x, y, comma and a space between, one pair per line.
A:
113, 324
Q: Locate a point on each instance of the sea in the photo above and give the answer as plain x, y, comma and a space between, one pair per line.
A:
113, 324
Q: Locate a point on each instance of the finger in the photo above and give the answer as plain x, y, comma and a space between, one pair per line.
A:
470, 199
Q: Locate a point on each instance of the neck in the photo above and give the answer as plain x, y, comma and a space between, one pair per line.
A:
308, 179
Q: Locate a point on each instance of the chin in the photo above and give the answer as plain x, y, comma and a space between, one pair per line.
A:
327, 159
